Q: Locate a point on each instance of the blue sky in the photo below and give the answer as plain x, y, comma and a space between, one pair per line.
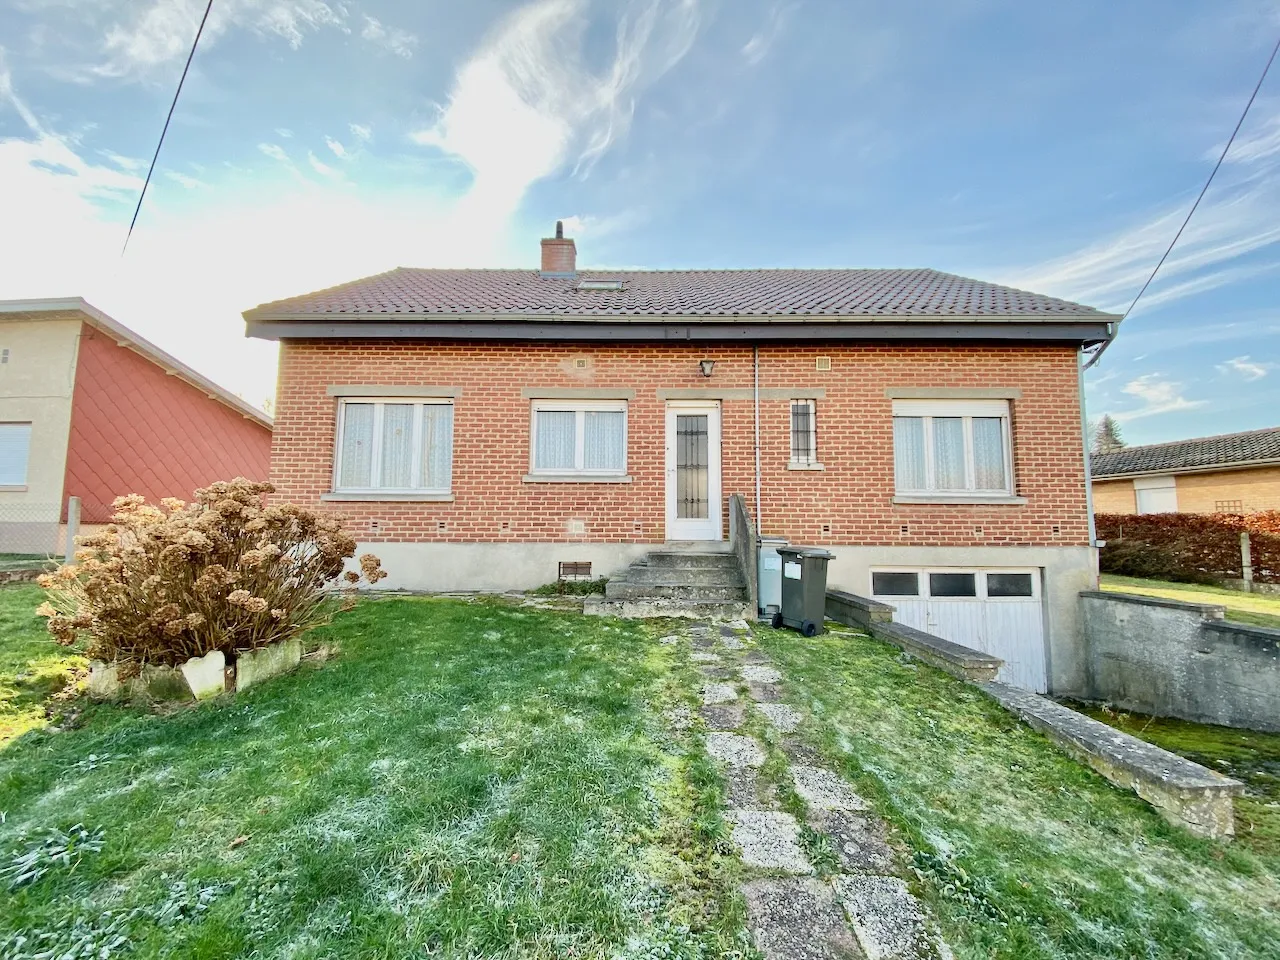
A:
1051, 146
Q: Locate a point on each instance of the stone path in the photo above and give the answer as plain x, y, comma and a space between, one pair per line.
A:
863, 910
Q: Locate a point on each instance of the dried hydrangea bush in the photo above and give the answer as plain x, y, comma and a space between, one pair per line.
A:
162, 584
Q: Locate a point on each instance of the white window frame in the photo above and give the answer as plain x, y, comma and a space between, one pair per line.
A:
966, 410
16, 484
578, 407
375, 467
813, 461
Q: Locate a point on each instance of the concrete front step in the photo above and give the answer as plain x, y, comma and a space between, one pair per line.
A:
688, 561
710, 576
626, 590
668, 607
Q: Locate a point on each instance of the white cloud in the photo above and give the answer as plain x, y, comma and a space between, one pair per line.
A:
1246, 367
757, 48
182, 179
530, 85
361, 132
131, 164
338, 149
399, 42
284, 133
147, 34
1158, 395
320, 167
274, 151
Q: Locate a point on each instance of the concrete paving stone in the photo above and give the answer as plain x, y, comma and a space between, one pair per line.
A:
732, 642
782, 717
756, 656
735, 749
746, 790
669, 640
800, 752
703, 643
724, 716
760, 673
714, 672
739, 626
859, 841
765, 692
719, 693
680, 718
823, 789
886, 918
704, 656
797, 919
769, 840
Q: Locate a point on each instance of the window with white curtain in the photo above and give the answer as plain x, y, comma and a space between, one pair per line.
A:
579, 437
952, 447
15, 450
394, 446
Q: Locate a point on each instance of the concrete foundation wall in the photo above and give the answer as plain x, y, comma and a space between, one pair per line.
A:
492, 566
1066, 572
1183, 660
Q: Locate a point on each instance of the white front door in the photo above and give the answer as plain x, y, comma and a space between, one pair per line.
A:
693, 471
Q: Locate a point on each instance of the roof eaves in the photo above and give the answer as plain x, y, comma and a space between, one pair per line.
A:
258, 313
35, 309
1199, 468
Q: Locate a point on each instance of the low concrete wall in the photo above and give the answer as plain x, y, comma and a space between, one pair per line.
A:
1174, 659
877, 619
742, 542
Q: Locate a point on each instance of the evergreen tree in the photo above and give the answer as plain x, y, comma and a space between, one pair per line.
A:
1106, 436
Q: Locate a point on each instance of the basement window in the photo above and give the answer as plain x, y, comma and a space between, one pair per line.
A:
602, 285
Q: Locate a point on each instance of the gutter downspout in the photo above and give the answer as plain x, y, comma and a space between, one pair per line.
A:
1081, 367
755, 364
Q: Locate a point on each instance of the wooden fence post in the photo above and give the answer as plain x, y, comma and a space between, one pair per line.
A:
1246, 560
73, 528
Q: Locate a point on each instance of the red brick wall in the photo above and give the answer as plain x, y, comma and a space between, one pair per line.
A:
855, 439
135, 429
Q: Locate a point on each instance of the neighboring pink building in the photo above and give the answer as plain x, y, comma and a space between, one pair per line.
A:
89, 409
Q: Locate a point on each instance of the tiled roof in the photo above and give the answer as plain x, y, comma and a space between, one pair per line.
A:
1229, 448
798, 294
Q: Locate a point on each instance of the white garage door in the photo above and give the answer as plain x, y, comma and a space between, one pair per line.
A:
998, 611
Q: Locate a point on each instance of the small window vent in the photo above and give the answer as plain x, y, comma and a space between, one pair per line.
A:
824, 364
602, 285
575, 570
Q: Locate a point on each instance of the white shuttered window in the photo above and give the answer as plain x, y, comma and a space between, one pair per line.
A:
394, 446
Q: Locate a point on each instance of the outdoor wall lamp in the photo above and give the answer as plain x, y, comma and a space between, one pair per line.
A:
707, 366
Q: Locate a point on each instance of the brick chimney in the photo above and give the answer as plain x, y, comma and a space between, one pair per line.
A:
559, 256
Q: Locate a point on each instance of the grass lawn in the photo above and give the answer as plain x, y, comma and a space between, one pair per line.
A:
1251, 757
32, 668
1259, 609
462, 780
1021, 852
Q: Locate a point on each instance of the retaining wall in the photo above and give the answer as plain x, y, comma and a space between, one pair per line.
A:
1175, 659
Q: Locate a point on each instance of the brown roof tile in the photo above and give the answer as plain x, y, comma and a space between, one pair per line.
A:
923, 294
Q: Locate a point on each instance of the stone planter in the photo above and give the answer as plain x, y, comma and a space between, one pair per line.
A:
200, 678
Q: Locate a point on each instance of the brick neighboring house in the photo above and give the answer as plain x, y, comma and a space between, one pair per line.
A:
90, 409
480, 427
1230, 473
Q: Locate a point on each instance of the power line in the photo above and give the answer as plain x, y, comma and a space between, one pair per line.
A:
156, 155
1203, 191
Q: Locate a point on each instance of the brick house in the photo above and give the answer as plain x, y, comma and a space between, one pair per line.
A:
1230, 473
91, 410
481, 427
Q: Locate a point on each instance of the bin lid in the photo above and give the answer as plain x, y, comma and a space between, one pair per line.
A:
816, 552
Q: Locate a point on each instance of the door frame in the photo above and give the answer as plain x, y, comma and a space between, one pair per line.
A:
712, 528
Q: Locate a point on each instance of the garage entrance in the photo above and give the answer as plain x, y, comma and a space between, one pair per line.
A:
999, 611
